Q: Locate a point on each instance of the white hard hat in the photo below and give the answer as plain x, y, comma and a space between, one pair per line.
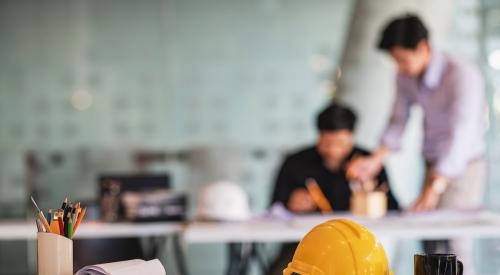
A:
223, 201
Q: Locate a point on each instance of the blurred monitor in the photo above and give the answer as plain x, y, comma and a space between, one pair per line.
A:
132, 182
143, 197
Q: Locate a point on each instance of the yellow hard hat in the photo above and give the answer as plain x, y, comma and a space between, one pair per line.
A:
339, 247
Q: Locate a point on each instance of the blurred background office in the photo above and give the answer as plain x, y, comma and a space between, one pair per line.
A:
209, 90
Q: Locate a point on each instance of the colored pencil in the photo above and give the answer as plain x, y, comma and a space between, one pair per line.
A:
80, 218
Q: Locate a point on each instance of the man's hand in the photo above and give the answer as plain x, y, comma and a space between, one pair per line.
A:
427, 201
431, 194
367, 168
364, 168
301, 202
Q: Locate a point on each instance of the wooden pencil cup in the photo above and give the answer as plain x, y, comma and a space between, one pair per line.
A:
369, 204
54, 254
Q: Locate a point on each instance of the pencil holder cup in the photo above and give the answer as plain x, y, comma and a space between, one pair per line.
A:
54, 254
369, 204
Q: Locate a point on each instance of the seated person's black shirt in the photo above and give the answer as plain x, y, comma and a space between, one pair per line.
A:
307, 163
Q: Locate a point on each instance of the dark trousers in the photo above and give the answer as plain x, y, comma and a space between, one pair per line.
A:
284, 258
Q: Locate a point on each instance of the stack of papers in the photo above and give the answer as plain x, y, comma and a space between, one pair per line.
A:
132, 267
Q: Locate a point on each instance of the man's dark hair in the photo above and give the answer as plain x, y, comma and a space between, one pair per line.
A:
336, 117
406, 32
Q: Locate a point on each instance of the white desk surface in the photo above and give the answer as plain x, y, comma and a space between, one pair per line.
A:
438, 225
26, 230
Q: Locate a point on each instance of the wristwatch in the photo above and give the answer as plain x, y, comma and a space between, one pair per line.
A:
439, 185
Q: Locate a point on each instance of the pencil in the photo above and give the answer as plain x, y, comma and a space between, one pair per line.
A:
39, 225
70, 228
60, 221
66, 210
318, 197
76, 213
65, 203
44, 221
41, 216
54, 224
80, 218
65, 224
49, 216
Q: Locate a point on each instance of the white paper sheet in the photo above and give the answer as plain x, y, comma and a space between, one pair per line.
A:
131, 267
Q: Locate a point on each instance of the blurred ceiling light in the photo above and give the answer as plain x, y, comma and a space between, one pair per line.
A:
494, 59
338, 74
328, 88
319, 63
81, 100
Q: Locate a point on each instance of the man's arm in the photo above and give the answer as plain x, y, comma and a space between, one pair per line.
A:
284, 182
292, 194
364, 168
391, 138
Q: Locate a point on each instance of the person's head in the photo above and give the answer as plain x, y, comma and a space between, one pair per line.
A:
335, 125
406, 39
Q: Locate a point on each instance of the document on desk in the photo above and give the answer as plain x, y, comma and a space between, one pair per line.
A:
433, 219
132, 267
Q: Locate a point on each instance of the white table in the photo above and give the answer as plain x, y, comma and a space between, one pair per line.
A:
439, 225
26, 230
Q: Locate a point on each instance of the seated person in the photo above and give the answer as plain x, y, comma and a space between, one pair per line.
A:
326, 163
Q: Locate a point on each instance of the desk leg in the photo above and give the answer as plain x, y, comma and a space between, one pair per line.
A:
239, 256
32, 265
260, 258
233, 259
179, 254
156, 244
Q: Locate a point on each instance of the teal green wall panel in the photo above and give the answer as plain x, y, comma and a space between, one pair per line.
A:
164, 75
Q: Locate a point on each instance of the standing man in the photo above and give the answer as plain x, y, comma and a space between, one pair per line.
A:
451, 94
